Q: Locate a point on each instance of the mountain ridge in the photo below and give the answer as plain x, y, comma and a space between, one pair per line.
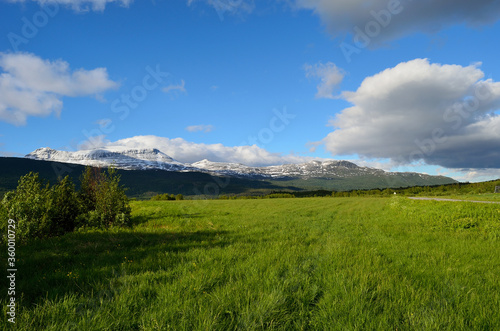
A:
146, 183
154, 159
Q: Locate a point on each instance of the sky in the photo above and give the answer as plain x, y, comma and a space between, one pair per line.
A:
399, 85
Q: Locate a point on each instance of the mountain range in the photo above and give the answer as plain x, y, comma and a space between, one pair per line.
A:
312, 175
148, 159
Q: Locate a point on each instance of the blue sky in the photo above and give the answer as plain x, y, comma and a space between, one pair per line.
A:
400, 85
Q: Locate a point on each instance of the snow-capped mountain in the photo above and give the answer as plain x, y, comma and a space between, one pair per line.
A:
309, 169
143, 159
128, 159
146, 159
329, 169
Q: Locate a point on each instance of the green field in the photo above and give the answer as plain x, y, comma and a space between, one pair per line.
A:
285, 264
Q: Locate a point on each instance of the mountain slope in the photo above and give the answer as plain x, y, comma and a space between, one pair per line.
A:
145, 183
128, 159
149, 171
149, 159
139, 183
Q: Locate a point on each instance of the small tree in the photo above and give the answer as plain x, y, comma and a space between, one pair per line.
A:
64, 207
28, 205
90, 182
103, 199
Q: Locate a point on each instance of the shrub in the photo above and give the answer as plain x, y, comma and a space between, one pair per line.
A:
29, 206
64, 207
164, 197
103, 200
42, 211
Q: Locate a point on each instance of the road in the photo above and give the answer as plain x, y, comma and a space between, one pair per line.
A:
454, 200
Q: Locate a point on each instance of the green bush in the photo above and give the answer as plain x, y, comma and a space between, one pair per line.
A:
29, 206
64, 207
42, 211
166, 197
103, 200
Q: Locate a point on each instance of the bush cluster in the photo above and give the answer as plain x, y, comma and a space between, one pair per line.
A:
42, 211
166, 197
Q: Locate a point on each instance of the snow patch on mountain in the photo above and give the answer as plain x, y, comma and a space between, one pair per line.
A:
122, 158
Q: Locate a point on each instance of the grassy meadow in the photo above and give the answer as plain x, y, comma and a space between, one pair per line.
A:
278, 264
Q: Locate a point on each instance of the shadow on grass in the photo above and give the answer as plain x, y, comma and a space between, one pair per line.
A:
82, 263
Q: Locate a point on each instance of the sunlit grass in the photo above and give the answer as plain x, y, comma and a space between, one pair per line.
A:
316, 264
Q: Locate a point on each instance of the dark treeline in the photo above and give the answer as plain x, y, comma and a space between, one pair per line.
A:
433, 190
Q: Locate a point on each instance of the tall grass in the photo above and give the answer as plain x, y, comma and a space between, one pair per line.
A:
284, 264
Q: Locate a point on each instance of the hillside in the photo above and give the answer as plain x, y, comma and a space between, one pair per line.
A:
145, 183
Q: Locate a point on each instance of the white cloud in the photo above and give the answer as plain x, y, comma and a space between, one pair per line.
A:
175, 88
474, 175
396, 18
200, 128
81, 5
232, 7
31, 86
418, 111
189, 152
329, 74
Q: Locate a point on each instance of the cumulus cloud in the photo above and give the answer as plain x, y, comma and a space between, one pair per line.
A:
189, 152
474, 175
200, 128
81, 5
31, 86
397, 18
417, 111
329, 74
